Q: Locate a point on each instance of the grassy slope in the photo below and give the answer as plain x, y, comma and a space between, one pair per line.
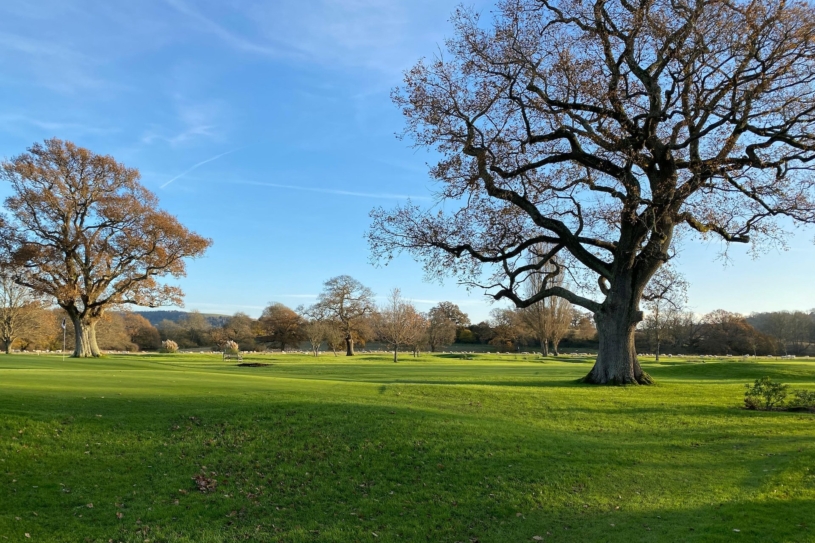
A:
494, 449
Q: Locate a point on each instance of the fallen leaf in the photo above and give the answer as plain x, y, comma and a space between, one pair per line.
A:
537, 538
119, 514
736, 530
89, 506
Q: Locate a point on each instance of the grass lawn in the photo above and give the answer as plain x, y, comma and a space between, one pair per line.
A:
495, 449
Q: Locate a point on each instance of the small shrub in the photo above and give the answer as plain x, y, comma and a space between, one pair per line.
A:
803, 399
230, 347
765, 394
168, 346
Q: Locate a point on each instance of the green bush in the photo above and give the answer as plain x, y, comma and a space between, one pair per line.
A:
765, 394
804, 399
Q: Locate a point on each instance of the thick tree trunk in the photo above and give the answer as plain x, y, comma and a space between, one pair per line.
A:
84, 338
616, 321
94, 346
349, 346
7, 346
395, 349
555, 343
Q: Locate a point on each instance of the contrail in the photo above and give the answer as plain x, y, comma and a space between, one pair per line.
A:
196, 166
387, 196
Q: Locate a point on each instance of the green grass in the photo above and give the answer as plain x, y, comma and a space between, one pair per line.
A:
495, 449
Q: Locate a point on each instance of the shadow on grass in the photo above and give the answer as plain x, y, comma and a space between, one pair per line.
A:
331, 471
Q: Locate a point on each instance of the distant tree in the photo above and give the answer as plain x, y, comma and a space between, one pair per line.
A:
606, 129
282, 325
347, 303
47, 334
143, 334
465, 335
547, 319
726, 333
582, 327
242, 329
83, 231
112, 333
334, 336
665, 298
444, 320
508, 327
398, 323
418, 333
169, 329
196, 329
315, 332
19, 311
483, 332
794, 330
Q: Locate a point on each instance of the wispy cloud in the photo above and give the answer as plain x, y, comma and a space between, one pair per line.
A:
230, 38
182, 174
54, 127
376, 34
54, 65
194, 120
338, 192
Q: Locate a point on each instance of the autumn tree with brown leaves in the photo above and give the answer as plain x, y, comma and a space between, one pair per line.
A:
83, 231
606, 128
282, 325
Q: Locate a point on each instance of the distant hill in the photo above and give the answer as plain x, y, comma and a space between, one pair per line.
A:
157, 316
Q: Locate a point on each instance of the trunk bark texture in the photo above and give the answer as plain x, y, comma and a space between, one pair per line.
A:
395, 349
616, 321
84, 338
349, 346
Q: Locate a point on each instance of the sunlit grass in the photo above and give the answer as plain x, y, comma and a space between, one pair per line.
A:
498, 448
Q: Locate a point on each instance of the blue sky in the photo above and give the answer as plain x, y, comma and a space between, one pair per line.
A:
268, 126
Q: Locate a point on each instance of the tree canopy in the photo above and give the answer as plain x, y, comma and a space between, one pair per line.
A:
82, 230
605, 129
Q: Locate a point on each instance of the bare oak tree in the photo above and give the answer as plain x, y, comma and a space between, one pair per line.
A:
315, 332
665, 298
548, 319
399, 324
348, 303
83, 231
605, 128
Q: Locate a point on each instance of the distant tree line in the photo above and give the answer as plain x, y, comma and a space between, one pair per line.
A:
346, 317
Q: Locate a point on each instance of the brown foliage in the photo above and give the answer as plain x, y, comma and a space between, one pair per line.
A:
86, 233
280, 324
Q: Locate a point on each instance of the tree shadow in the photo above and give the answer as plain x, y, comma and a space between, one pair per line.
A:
340, 470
